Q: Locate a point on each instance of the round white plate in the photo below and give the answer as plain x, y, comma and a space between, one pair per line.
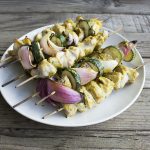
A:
115, 104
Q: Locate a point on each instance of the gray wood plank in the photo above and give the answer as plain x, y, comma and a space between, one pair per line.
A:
135, 118
78, 6
130, 130
81, 139
15, 25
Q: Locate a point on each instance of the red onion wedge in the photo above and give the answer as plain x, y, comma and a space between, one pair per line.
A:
62, 94
86, 74
26, 57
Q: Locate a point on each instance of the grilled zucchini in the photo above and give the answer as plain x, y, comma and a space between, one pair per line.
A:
73, 77
95, 64
37, 52
114, 52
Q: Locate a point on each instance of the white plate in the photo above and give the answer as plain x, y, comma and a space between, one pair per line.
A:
115, 104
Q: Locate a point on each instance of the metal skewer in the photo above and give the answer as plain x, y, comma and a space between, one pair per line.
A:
26, 99
26, 81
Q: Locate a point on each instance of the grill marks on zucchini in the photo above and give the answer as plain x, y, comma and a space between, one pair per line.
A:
114, 52
59, 40
73, 77
128, 49
95, 64
129, 57
84, 25
37, 52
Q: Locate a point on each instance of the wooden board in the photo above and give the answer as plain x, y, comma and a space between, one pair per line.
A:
130, 130
76, 6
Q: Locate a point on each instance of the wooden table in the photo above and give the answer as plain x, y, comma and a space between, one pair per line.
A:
131, 129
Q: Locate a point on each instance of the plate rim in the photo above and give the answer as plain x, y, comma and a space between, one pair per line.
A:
84, 124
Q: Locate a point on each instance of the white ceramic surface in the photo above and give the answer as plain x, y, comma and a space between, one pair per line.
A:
115, 104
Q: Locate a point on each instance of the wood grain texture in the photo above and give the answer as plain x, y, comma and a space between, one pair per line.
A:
77, 6
133, 26
135, 118
46, 139
130, 130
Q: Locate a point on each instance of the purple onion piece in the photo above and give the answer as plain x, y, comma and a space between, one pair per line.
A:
86, 75
62, 94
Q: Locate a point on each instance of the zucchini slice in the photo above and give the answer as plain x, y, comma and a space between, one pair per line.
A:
63, 40
59, 40
83, 24
91, 32
95, 64
73, 77
37, 52
129, 56
114, 52
128, 50
56, 41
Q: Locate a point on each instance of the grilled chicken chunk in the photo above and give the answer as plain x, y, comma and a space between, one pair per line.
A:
117, 78
106, 84
132, 73
88, 98
81, 107
107, 61
58, 28
70, 109
96, 91
122, 75
45, 69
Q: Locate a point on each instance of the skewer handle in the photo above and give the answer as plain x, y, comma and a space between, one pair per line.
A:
52, 113
26, 81
23, 101
10, 62
43, 99
6, 59
14, 79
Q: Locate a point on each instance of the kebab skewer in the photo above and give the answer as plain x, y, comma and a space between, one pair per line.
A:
67, 59
104, 63
83, 26
100, 43
73, 52
106, 51
60, 35
121, 76
97, 90
118, 78
101, 37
